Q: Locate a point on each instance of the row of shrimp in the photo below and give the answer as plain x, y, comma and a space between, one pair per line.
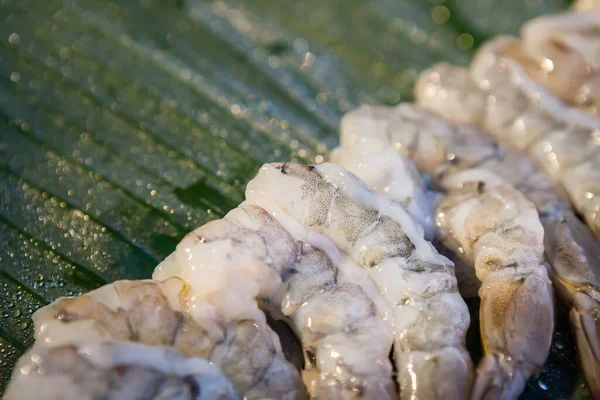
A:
346, 268
341, 254
498, 142
483, 218
540, 96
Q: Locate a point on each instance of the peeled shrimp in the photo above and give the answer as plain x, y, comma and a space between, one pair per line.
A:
429, 316
332, 305
382, 169
496, 229
563, 52
152, 313
563, 140
115, 370
571, 248
448, 153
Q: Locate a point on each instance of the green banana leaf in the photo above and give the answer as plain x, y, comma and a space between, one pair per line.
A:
125, 124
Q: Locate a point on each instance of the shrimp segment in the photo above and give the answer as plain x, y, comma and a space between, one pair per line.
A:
116, 370
331, 304
429, 316
571, 248
562, 139
152, 313
448, 153
562, 52
498, 231
380, 167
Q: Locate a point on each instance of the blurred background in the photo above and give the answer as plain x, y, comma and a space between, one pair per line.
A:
125, 124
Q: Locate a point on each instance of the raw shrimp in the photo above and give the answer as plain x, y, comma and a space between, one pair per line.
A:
563, 140
562, 51
442, 149
430, 318
115, 370
582, 5
152, 313
382, 169
446, 153
332, 305
494, 228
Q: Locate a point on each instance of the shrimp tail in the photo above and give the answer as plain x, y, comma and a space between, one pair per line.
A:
517, 339
499, 378
585, 324
573, 251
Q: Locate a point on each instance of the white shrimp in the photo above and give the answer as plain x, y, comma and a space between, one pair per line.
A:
115, 370
381, 167
332, 305
519, 111
562, 51
430, 318
153, 313
563, 140
573, 251
443, 150
494, 228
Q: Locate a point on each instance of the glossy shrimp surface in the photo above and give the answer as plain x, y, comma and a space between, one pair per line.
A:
494, 228
524, 114
332, 305
115, 370
380, 166
429, 316
566, 151
562, 52
443, 150
152, 313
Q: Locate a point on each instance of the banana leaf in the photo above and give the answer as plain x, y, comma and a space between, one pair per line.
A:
125, 124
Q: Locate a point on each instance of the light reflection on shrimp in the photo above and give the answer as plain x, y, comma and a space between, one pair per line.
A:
336, 311
152, 314
560, 139
446, 153
429, 316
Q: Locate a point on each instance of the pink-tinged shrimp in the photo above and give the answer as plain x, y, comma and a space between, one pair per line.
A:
429, 316
443, 149
566, 151
153, 313
582, 5
562, 52
332, 305
114, 370
495, 229
563, 140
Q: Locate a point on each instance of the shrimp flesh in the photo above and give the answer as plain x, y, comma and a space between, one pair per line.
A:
153, 313
571, 247
332, 305
115, 370
494, 228
520, 112
381, 168
562, 52
429, 316
449, 152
